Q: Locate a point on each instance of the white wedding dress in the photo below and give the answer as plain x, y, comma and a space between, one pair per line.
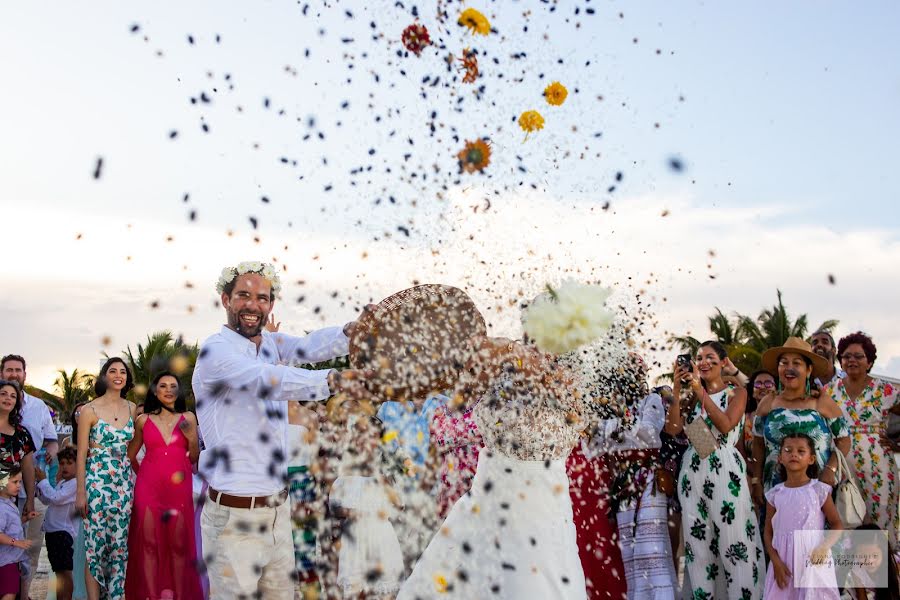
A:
511, 536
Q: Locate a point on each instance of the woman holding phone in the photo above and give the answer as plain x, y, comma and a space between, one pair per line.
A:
723, 551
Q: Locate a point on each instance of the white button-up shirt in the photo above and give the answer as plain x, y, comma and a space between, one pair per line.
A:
643, 433
60, 501
243, 424
35, 417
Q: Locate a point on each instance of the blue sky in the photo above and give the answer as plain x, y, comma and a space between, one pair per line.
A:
784, 115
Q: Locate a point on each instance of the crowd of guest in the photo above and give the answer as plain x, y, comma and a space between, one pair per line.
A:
690, 490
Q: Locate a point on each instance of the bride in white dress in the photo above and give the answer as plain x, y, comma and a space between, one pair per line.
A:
512, 535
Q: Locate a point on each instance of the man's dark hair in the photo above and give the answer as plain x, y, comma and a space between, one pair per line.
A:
10, 357
68, 453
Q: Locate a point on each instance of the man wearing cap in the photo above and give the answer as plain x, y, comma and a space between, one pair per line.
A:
823, 344
242, 379
35, 417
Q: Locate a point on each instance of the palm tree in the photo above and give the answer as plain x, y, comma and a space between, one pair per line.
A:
74, 388
773, 327
162, 352
746, 338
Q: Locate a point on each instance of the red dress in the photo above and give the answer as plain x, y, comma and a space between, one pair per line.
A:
161, 549
598, 537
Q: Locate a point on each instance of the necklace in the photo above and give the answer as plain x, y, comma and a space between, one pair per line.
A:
116, 414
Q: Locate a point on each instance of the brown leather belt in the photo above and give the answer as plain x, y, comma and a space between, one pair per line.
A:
247, 501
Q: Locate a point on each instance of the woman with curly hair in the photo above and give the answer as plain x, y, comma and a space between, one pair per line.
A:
865, 402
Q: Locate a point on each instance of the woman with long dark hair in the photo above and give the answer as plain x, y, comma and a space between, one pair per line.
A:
105, 480
16, 445
162, 550
722, 548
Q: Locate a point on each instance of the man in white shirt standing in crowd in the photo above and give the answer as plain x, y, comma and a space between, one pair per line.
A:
35, 417
823, 344
242, 380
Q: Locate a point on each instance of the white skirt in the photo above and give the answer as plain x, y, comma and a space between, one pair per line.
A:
511, 536
370, 561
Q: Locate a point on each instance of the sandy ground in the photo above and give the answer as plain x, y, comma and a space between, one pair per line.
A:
42, 579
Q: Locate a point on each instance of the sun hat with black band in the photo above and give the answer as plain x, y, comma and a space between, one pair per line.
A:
796, 346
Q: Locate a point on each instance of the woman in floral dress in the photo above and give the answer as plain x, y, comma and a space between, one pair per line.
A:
866, 402
106, 481
794, 410
723, 552
457, 441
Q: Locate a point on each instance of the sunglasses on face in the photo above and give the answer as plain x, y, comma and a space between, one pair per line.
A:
847, 356
764, 384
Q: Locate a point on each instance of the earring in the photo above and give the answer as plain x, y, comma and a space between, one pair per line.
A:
807, 386
779, 386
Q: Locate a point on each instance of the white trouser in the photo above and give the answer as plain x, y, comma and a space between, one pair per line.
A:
248, 551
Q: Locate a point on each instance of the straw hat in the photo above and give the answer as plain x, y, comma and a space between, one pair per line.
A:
797, 346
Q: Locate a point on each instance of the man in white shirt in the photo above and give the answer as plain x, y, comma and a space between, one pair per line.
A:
35, 417
823, 344
242, 380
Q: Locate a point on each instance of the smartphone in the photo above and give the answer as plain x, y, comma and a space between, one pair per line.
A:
684, 360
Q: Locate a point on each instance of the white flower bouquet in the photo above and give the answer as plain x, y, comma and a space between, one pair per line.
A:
569, 317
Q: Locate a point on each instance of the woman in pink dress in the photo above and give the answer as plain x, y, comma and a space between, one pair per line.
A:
456, 438
162, 551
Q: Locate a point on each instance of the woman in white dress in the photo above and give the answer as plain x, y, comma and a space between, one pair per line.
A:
512, 535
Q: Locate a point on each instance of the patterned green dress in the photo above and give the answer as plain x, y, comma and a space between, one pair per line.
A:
781, 421
110, 491
722, 547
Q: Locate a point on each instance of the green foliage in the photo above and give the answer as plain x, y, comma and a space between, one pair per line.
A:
162, 352
747, 338
74, 388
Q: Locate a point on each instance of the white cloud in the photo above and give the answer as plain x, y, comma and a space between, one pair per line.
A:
72, 293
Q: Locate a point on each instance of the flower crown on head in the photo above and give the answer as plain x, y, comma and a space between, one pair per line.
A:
267, 270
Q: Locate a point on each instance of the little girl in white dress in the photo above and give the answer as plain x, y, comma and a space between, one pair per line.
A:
370, 562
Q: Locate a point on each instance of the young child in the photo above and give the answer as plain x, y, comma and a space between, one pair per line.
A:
872, 544
370, 562
12, 544
61, 521
800, 503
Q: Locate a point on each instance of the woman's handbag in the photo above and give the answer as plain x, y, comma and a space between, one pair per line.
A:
847, 498
701, 437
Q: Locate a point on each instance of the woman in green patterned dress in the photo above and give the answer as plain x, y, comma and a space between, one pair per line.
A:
722, 548
793, 410
106, 481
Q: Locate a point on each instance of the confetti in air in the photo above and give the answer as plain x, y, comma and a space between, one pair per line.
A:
531, 121
474, 21
415, 38
556, 93
476, 156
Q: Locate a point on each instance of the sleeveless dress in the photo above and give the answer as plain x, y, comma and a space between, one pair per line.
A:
781, 421
511, 535
722, 544
110, 489
162, 549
